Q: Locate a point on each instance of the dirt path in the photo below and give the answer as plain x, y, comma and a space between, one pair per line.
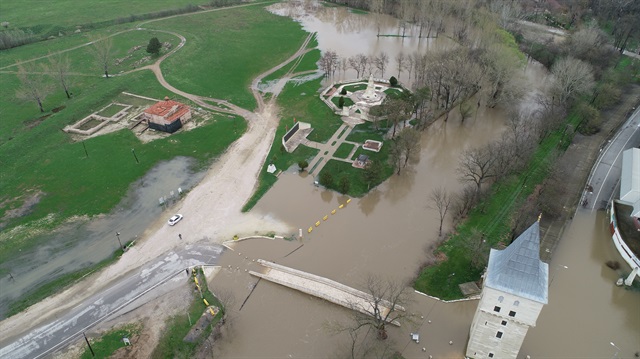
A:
212, 210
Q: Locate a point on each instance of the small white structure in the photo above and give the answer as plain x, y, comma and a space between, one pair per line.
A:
515, 290
630, 180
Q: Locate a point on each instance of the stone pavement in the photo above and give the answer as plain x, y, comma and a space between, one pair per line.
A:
326, 150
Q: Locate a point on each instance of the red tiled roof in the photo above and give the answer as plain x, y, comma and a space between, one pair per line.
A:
162, 108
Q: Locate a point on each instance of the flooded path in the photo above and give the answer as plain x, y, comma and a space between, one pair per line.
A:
80, 245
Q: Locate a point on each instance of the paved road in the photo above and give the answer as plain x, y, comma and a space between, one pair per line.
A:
58, 332
606, 172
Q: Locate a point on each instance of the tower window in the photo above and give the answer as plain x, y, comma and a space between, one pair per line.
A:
490, 355
516, 303
512, 313
504, 322
496, 309
499, 335
500, 299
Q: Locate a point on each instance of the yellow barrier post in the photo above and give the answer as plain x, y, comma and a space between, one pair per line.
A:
333, 212
325, 218
310, 229
341, 206
349, 200
317, 223
205, 301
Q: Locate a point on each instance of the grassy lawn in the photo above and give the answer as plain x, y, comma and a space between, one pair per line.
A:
347, 101
110, 110
339, 169
302, 102
344, 150
492, 219
354, 88
111, 341
41, 17
225, 50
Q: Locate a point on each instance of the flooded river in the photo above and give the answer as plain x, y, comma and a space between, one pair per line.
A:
82, 244
389, 233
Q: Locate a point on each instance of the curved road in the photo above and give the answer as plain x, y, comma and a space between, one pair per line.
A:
605, 175
57, 332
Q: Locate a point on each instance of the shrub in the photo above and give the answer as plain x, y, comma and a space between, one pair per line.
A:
326, 179
344, 185
303, 165
341, 102
393, 81
344, 91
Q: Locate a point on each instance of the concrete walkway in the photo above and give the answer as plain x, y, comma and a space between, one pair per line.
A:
326, 289
326, 150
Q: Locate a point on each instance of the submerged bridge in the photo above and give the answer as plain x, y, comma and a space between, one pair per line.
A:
326, 289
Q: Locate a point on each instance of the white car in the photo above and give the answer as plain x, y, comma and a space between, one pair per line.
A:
175, 219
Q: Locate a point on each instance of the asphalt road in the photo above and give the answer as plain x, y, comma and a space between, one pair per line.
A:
59, 331
605, 176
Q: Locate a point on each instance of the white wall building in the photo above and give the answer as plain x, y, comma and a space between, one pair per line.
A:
630, 180
515, 290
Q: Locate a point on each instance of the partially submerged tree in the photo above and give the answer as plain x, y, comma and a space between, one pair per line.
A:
372, 172
440, 201
32, 87
386, 305
405, 148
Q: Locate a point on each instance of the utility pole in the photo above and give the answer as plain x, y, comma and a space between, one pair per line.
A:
134, 155
90, 348
118, 235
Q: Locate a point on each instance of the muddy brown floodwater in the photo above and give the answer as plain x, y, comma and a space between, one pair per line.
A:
388, 233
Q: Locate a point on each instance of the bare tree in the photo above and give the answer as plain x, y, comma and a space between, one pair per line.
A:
400, 60
329, 63
477, 248
385, 294
405, 148
102, 51
440, 201
463, 202
408, 65
572, 78
476, 166
60, 66
381, 62
32, 87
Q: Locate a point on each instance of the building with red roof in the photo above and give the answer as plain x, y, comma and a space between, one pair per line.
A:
167, 115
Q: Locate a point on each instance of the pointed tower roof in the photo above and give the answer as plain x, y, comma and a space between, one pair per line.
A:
518, 269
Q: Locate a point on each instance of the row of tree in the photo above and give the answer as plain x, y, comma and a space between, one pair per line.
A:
38, 81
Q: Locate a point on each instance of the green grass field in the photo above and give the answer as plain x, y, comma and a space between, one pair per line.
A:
343, 151
44, 16
225, 50
111, 341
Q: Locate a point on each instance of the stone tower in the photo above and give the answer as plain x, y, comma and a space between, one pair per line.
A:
515, 290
